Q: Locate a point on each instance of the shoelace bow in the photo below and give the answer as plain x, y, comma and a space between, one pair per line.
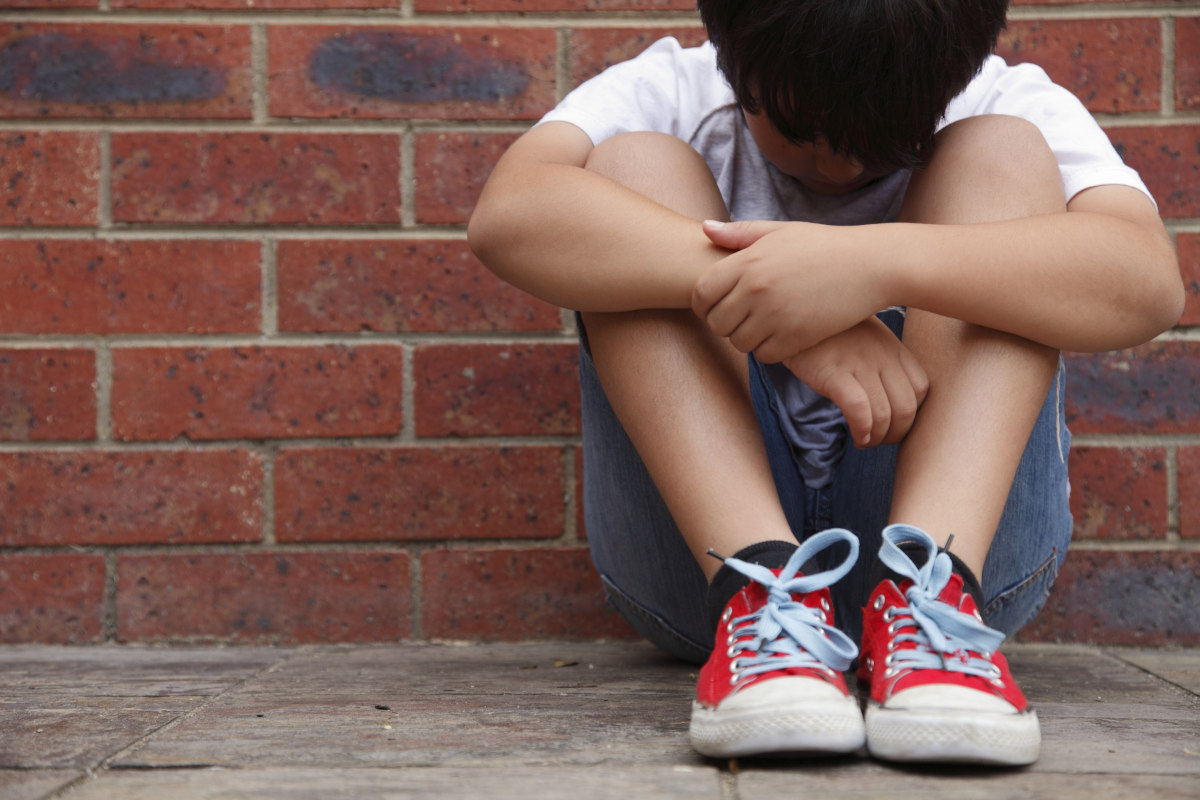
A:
946, 637
784, 633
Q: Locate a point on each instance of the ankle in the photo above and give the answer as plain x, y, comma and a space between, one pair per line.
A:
727, 582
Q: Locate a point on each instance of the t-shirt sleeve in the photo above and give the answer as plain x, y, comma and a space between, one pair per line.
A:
1085, 155
665, 89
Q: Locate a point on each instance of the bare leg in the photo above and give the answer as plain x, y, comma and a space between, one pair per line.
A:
957, 464
681, 394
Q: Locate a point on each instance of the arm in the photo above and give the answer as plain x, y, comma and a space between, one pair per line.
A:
572, 237
1099, 276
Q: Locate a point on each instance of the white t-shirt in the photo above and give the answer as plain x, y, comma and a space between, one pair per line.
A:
677, 91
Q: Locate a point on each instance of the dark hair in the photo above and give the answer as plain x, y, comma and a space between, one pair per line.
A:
873, 77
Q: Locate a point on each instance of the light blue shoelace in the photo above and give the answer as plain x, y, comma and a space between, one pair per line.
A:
784, 633
945, 637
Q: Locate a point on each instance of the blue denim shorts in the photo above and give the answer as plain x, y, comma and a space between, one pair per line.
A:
652, 579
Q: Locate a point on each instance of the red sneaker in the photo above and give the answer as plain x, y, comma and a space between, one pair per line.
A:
939, 690
773, 683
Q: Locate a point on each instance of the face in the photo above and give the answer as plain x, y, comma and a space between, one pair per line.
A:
817, 166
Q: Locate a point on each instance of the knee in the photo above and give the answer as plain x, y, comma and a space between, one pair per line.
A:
984, 168
661, 167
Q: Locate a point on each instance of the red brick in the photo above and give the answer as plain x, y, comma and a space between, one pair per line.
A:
256, 5
89, 286
1119, 493
1144, 598
56, 598
1149, 389
50, 178
450, 172
1112, 65
418, 493
256, 392
513, 594
496, 390
595, 49
107, 498
1189, 265
399, 286
1189, 492
1168, 159
143, 70
47, 394
1187, 63
256, 178
555, 5
276, 598
13, 4
430, 72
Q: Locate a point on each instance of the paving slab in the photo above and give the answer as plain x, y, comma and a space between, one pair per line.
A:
1180, 667
426, 705
33, 784
66, 707
494, 783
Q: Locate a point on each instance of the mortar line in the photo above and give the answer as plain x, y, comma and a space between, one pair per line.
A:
104, 385
269, 287
104, 216
1167, 102
259, 65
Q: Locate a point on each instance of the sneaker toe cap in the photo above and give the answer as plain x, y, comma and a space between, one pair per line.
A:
786, 690
950, 697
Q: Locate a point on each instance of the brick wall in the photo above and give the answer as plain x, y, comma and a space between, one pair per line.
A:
254, 388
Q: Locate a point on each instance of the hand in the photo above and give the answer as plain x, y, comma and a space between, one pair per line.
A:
871, 376
787, 286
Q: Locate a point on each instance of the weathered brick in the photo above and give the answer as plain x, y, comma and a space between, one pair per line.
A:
511, 594
433, 72
1168, 158
54, 598
410, 493
1119, 493
1187, 63
394, 286
256, 392
47, 394
107, 498
277, 598
88, 286
256, 178
51, 4
1148, 389
1188, 245
1112, 65
595, 49
1123, 598
496, 390
143, 70
554, 5
256, 5
1188, 461
450, 171
50, 178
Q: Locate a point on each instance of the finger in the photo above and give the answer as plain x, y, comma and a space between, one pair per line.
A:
849, 395
902, 401
711, 288
737, 235
881, 409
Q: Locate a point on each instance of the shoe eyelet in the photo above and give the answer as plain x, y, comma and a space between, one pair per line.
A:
727, 613
729, 640
887, 662
731, 652
878, 604
733, 679
825, 604
893, 628
890, 614
870, 663
733, 666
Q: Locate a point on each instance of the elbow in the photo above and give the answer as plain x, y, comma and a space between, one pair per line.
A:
481, 235
1164, 299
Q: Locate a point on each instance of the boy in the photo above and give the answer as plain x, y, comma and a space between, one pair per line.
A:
922, 230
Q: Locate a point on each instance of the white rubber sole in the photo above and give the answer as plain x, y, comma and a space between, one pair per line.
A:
825, 728
952, 736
